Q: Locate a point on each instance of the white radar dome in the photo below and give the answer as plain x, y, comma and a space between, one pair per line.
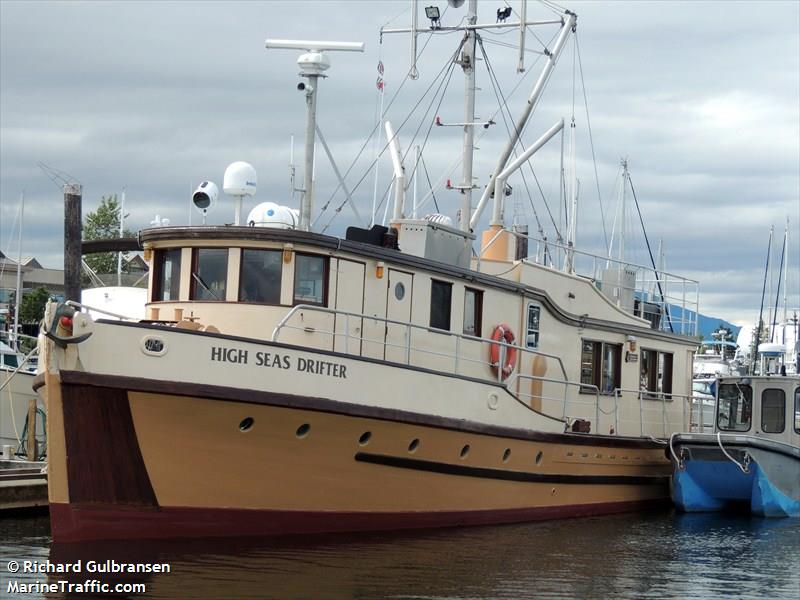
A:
240, 179
269, 214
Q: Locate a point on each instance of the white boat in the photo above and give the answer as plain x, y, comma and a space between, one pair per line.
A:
287, 381
16, 394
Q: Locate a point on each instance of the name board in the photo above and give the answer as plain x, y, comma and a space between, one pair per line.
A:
275, 360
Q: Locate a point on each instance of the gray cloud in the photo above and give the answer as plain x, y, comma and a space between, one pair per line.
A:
702, 98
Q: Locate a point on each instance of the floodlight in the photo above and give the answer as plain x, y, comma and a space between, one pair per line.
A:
503, 14
432, 12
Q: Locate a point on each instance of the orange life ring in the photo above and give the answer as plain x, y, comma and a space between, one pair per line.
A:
503, 333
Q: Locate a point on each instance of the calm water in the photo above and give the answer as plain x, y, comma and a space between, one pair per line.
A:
645, 555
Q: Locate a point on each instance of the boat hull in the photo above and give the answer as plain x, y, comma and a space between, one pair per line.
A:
765, 477
172, 465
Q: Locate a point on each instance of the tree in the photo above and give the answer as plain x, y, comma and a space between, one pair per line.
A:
31, 309
100, 224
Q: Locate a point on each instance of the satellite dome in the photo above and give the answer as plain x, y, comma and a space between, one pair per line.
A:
240, 179
269, 214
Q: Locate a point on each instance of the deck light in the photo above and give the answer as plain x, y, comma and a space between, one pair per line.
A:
503, 14
287, 253
379, 269
432, 12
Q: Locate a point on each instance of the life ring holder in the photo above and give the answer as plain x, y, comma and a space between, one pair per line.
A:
503, 333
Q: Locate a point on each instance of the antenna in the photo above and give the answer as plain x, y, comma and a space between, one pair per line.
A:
313, 65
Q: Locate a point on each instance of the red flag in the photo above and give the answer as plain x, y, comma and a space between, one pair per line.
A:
379, 84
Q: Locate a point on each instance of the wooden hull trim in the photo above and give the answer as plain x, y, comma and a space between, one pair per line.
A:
74, 522
226, 393
505, 475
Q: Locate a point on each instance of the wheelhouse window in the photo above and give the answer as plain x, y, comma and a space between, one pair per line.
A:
735, 407
166, 274
209, 274
797, 410
532, 327
473, 311
260, 276
600, 366
656, 372
441, 294
310, 279
773, 411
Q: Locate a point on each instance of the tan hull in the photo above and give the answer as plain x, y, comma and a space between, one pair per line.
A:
344, 473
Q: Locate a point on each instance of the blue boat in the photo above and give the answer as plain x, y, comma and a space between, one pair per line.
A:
752, 458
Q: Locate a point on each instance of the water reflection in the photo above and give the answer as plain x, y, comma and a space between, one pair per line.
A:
646, 555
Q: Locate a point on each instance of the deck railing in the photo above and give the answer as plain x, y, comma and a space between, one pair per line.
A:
566, 404
677, 297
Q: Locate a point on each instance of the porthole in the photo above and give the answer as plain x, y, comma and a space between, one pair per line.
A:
465, 451
246, 424
539, 457
364, 439
399, 290
506, 454
303, 430
412, 447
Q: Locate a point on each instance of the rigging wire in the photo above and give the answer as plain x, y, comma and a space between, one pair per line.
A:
650, 252
760, 323
443, 88
447, 70
374, 129
504, 104
428, 178
591, 141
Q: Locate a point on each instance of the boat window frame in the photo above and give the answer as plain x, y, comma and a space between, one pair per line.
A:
782, 411
477, 312
193, 283
531, 330
597, 374
326, 264
720, 388
797, 409
663, 373
447, 306
159, 256
279, 252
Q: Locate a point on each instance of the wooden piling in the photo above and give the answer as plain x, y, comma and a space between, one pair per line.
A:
31, 441
73, 231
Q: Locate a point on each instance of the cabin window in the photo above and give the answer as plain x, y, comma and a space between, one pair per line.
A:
600, 366
735, 407
656, 373
260, 277
10, 360
773, 411
209, 274
441, 293
473, 310
166, 274
532, 327
310, 279
797, 410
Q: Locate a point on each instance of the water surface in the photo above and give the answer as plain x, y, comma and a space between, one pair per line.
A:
643, 555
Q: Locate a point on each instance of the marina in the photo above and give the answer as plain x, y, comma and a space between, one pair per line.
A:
490, 364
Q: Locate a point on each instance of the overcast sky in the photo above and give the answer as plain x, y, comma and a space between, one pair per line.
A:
703, 98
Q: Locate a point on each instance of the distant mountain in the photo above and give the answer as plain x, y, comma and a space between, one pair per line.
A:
705, 324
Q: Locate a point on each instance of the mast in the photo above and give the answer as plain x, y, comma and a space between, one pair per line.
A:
621, 216
313, 65
533, 100
121, 234
18, 296
467, 152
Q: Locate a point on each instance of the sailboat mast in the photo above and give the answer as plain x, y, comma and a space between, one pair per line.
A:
18, 297
468, 66
621, 217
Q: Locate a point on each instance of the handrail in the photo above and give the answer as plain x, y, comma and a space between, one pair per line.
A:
458, 358
79, 306
409, 326
566, 400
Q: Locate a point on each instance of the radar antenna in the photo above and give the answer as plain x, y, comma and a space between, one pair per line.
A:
312, 65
